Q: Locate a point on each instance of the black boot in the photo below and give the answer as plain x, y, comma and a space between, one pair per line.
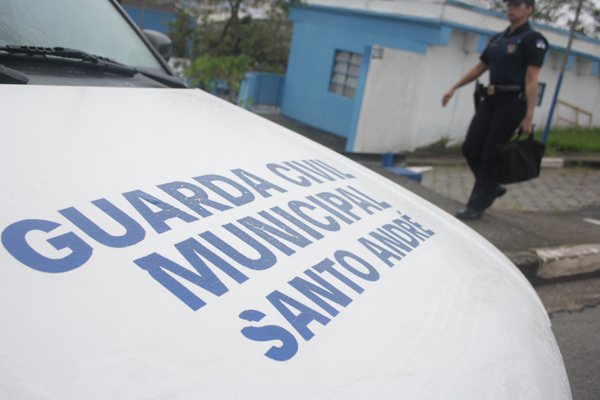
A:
468, 213
500, 191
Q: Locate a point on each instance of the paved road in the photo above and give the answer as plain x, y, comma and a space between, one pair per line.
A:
574, 306
576, 326
578, 339
555, 190
560, 207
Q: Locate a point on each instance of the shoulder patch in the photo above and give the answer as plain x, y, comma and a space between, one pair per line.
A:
540, 44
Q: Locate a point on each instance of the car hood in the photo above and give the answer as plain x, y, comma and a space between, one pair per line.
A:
163, 243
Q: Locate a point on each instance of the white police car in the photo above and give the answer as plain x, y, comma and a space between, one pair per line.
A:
160, 243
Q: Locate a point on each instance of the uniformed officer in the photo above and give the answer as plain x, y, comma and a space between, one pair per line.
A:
514, 58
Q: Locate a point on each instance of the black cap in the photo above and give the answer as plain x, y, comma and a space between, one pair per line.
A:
528, 2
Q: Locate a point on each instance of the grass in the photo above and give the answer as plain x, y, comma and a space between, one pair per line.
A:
586, 140
577, 140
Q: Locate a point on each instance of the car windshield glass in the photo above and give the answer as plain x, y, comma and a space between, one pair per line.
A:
93, 26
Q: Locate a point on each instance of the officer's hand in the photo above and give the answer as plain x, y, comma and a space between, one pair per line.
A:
526, 126
447, 96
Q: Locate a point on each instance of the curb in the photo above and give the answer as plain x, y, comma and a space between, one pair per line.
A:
582, 162
558, 263
456, 159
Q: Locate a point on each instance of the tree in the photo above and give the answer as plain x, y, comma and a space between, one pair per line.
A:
207, 71
181, 33
224, 42
560, 14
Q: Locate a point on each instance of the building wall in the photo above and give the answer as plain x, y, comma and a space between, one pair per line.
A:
411, 116
580, 87
388, 115
307, 97
445, 64
318, 33
576, 89
398, 102
261, 89
401, 108
421, 8
153, 19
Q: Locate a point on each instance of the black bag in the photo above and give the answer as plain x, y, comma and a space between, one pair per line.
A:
518, 160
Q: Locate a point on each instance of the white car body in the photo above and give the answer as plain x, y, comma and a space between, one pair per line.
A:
452, 318
164, 244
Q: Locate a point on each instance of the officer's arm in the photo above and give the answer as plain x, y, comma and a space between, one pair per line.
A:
469, 77
531, 92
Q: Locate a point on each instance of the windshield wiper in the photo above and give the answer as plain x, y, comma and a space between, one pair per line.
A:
61, 52
105, 63
8, 75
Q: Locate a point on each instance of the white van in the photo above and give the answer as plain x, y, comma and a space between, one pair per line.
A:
160, 243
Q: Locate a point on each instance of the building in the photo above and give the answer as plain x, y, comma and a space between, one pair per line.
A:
150, 15
374, 71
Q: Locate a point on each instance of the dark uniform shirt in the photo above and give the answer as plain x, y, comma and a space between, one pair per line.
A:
509, 55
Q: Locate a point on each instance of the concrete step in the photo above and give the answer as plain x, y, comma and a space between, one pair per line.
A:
556, 263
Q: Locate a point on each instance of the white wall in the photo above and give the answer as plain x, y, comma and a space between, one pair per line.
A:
402, 111
575, 91
578, 87
401, 108
445, 65
390, 103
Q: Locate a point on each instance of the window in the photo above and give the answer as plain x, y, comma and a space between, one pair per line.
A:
346, 68
541, 89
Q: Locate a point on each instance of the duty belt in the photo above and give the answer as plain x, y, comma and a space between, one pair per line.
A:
496, 89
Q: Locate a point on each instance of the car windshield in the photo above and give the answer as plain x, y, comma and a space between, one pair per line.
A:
93, 26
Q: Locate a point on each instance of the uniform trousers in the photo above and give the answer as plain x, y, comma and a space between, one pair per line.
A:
495, 122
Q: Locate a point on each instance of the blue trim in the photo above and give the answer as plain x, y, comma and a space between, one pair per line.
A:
482, 43
384, 24
552, 107
407, 173
595, 68
575, 53
430, 22
445, 35
570, 62
582, 55
362, 13
358, 98
564, 32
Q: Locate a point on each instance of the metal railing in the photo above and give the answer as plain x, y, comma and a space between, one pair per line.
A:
572, 109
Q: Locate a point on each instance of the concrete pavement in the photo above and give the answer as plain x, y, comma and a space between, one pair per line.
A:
559, 211
555, 190
549, 227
